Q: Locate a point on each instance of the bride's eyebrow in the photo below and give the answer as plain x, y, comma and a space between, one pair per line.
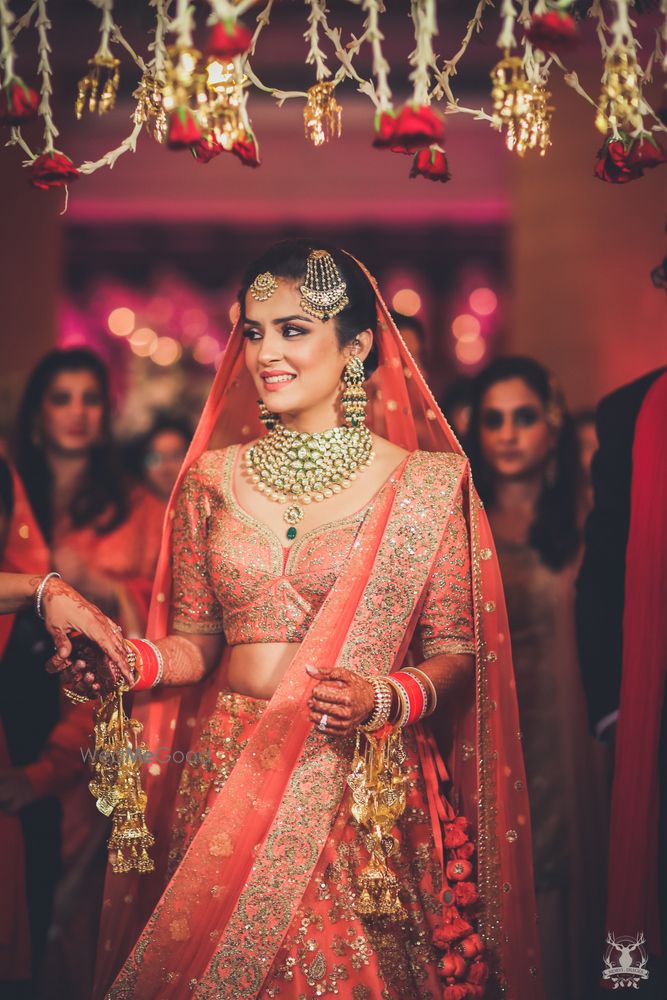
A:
287, 319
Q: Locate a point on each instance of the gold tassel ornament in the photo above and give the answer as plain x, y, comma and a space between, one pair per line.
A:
520, 107
620, 99
100, 67
149, 111
378, 785
116, 785
322, 114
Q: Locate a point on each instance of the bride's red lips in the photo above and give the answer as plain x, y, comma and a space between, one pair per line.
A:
274, 371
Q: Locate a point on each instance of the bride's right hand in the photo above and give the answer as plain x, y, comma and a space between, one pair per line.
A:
88, 671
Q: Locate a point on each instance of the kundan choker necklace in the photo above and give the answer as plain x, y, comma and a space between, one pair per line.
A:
296, 468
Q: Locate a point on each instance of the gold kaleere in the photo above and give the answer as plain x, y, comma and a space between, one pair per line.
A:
322, 114
520, 107
116, 785
620, 99
378, 784
89, 85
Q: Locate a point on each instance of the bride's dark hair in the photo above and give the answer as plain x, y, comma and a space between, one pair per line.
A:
287, 259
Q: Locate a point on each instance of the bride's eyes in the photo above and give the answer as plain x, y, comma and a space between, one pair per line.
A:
289, 331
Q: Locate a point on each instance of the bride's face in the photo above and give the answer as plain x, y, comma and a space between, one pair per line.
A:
295, 361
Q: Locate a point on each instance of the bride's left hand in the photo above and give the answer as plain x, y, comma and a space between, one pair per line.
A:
346, 698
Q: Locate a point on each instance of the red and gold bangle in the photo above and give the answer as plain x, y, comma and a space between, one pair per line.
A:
149, 664
432, 694
424, 690
403, 700
415, 696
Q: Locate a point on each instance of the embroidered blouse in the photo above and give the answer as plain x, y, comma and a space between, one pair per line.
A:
232, 574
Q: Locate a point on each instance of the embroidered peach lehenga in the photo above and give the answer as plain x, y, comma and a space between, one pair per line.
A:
254, 893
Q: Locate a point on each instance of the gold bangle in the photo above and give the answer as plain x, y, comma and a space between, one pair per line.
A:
429, 684
75, 697
403, 702
134, 661
381, 706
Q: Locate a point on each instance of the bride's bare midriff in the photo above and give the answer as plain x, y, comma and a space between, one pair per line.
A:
256, 669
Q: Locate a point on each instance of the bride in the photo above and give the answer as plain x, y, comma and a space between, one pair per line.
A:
327, 602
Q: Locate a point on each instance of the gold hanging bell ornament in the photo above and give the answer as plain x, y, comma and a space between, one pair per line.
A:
620, 98
520, 107
378, 785
322, 114
184, 79
220, 112
89, 85
116, 785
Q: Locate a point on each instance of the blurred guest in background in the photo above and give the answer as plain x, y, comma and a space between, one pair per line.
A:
103, 535
157, 456
413, 333
456, 404
621, 635
523, 449
584, 422
74, 513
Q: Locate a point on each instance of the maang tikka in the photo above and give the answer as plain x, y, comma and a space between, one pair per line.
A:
323, 293
263, 287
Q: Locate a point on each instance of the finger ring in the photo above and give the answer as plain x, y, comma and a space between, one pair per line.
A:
322, 724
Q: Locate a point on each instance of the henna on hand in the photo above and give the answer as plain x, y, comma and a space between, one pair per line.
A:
345, 697
66, 612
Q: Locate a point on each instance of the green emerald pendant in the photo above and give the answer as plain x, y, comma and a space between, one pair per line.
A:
291, 533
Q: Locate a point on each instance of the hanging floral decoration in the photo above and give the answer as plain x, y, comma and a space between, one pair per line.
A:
196, 98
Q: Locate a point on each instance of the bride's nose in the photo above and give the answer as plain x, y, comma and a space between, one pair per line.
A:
271, 349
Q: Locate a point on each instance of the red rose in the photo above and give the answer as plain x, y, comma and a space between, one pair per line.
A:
416, 126
385, 122
458, 870
460, 991
619, 160
612, 164
646, 153
228, 39
455, 832
452, 966
555, 31
466, 893
447, 934
206, 148
465, 850
478, 972
52, 170
183, 128
18, 102
472, 946
431, 163
247, 150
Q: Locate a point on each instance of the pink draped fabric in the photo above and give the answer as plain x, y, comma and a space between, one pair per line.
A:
218, 923
632, 906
